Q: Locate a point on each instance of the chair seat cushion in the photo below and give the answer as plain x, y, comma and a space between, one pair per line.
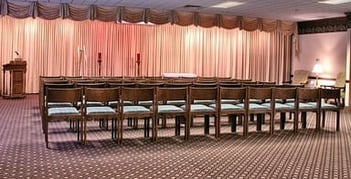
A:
94, 103
329, 106
207, 102
230, 101
199, 108
227, 107
62, 111
257, 101
254, 106
52, 104
166, 108
303, 105
279, 106
135, 109
176, 102
145, 103
99, 110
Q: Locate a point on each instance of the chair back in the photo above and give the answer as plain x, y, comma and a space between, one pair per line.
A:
285, 93
340, 80
300, 77
232, 93
260, 93
308, 94
202, 93
204, 85
167, 93
137, 94
104, 95
63, 95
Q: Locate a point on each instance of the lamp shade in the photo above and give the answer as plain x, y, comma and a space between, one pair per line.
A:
317, 68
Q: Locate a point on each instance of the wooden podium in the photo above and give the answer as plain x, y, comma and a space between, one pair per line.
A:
14, 79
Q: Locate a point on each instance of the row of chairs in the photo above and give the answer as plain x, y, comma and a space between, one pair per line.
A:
184, 104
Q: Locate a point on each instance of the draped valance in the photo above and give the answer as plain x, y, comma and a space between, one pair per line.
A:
136, 15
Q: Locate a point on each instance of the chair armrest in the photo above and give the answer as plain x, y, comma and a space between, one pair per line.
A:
332, 86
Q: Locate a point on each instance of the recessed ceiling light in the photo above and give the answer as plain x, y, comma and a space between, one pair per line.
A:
227, 4
333, 1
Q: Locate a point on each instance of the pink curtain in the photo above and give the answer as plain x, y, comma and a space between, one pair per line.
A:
66, 47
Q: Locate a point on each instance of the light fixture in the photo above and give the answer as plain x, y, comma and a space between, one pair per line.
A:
227, 4
333, 1
317, 69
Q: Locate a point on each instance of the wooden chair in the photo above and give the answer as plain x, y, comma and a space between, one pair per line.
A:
136, 111
265, 95
336, 106
42, 96
229, 98
202, 110
104, 111
62, 95
309, 101
166, 110
282, 97
340, 83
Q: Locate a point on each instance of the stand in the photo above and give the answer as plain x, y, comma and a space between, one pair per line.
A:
14, 84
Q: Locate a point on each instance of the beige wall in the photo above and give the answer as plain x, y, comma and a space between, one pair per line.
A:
330, 48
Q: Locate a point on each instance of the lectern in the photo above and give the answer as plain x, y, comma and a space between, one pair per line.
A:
14, 79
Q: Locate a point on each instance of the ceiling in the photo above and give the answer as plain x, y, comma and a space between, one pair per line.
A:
291, 10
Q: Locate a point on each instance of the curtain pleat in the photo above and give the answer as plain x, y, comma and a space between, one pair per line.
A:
158, 16
19, 9
269, 25
105, 14
229, 22
184, 18
49, 11
133, 15
207, 20
249, 23
287, 28
78, 13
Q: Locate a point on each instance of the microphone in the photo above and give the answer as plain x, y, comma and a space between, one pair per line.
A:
16, 53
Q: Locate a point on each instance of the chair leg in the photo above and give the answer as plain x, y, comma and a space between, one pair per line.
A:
84, 131
296, 121
233, 122
120, 131
337, 120
259, 122
282, 120
217, 126
78, 131
323, 118
303, 119
46, 130
207, 124
177, 125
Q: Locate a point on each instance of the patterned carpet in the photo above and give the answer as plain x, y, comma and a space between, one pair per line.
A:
307, 154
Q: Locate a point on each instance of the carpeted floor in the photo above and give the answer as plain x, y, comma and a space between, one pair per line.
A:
307, 154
